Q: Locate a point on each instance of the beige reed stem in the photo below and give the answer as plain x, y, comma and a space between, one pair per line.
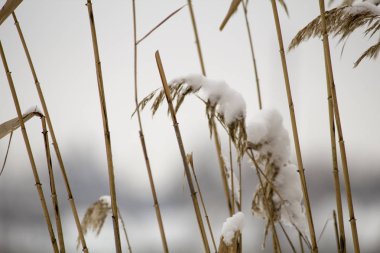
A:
191, 162
342, 147
125, 231
142, 140
183, 153
53, 191
294, 128
252, 54
29, 151
338, 195
336, 232
52, 134
107, 135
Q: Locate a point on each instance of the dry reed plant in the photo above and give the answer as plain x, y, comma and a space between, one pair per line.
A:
342, 22
190, 160
7, 9
294, 128
168, 96
107, 135
96, 215
53, 191
41, 97
141, 131
230, 234
29, 152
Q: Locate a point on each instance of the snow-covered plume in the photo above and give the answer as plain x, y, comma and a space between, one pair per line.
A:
270, 142
231, 226
228, 102
371, 6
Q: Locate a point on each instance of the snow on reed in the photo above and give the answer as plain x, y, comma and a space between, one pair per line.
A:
228, 102
231, 226
361, 7
270, 140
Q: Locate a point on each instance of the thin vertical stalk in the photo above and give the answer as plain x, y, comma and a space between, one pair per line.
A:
294, 129
338, 195
183, 153
142, 139
70, 196
53, 191
197, 42
29, 151
288, 238
232, 177
252, 54
107, 135
125, 231
222, 166
191, 162
214, 127
342, 147
336, 233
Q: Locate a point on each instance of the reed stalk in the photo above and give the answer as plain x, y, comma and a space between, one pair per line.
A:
125, 231
29, 151
214, 128
70, 196
53, 191
288, 238
107, 135
301, 243
191, 162
232, 177
336, 233
342, 147
142, 139
294, 129
183, 153
252, 54
338, 195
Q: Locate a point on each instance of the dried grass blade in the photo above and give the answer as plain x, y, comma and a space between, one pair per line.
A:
233, 7
8, 8
159, 24
6, 154
11, 125
371, 52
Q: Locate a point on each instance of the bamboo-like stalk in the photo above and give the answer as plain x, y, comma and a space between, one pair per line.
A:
336, 233
232, 177
125, 231
222, 166
294, 129
107, 135
53, 191
342, 147
29, 151
191, 162
338, 195
70, 196
252, 54
214, 128
142, 139
197, 42
183, 153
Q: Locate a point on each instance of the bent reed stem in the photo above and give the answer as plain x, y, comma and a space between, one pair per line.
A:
41, 97
29, 151
183, 153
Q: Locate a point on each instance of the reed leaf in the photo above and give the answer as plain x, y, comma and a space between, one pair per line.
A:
8, 8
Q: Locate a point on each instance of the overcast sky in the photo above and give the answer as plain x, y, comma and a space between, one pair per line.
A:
58, 36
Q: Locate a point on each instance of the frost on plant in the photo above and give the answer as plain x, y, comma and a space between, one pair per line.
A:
231, 226
282, 196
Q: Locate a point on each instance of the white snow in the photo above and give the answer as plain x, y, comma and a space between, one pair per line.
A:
228, 102
31, 109
367, 6
266, 130
231, 226
106, 200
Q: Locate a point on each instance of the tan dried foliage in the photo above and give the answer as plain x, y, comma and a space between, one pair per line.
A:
95, 217
341, 22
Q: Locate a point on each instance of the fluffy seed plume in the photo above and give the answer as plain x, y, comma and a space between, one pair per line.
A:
342, 22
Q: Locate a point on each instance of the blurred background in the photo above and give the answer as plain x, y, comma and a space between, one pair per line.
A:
59, 40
